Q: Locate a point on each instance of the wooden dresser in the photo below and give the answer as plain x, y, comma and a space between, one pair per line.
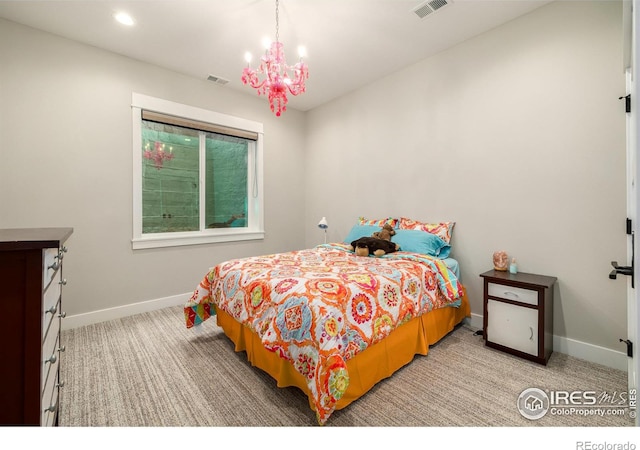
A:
31, 285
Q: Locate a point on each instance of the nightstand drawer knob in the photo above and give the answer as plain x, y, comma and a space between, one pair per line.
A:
51, 359
511, 294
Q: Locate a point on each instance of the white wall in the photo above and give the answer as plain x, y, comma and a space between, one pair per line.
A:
65, 160
518, 136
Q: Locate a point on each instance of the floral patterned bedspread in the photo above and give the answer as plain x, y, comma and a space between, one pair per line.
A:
319, 307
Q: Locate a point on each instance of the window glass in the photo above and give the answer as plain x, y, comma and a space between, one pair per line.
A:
170, 178
226, 179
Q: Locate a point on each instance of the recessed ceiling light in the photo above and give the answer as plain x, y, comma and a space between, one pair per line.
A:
124, 18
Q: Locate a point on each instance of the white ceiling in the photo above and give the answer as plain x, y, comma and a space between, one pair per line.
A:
350, 43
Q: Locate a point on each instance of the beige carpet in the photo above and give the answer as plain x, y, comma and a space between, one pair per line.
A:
149, 370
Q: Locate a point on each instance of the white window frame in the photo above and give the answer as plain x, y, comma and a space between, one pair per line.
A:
255, 220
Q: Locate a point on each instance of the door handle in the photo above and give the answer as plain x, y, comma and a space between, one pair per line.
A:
626, 270
622, 270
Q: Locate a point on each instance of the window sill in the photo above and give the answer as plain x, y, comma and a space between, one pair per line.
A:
196, 238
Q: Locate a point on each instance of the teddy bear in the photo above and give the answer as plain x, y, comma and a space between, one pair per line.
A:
371, 245
385, 233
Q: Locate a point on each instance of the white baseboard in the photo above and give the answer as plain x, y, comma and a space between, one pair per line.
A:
578, 349
119, 312
594, 353
476, 321
571, 347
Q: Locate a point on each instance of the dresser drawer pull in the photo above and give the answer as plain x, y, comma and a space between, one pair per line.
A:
531, 337
51, 359
63, 282
62, 315
511, 293
52, 408
52, 310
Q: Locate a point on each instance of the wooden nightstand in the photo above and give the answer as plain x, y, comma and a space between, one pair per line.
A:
518, 314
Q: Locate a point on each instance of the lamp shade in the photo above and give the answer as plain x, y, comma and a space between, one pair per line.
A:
323, 223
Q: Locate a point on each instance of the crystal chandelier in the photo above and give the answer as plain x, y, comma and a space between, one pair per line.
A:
279, 77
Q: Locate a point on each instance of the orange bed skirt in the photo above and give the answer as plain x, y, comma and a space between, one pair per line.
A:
368, 367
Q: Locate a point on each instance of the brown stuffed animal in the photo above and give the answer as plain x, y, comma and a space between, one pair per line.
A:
385, 233
375, 246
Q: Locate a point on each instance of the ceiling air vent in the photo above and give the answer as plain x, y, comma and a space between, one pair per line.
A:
217, 80
429, 7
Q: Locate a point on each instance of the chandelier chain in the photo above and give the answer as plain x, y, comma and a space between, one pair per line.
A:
277, 23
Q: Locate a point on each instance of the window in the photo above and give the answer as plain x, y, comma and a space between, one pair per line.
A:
197, 175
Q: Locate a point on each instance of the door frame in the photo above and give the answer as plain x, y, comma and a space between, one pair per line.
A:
631, 60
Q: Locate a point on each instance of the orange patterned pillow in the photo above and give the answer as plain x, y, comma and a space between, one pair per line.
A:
443, 229
378, 222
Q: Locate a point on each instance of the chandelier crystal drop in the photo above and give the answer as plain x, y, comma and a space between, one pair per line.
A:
279, 78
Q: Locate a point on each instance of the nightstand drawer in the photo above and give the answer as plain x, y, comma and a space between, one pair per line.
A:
513, 293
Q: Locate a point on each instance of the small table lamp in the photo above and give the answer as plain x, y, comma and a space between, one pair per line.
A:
324, 225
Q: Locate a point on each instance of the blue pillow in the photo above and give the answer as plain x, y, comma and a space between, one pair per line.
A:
359, 231
418, 241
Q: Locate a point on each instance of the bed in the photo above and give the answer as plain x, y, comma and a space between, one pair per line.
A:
329, 322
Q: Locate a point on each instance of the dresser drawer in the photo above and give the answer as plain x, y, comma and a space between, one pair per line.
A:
50, 353
516, 294
49, 404
51, 263
49, 305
